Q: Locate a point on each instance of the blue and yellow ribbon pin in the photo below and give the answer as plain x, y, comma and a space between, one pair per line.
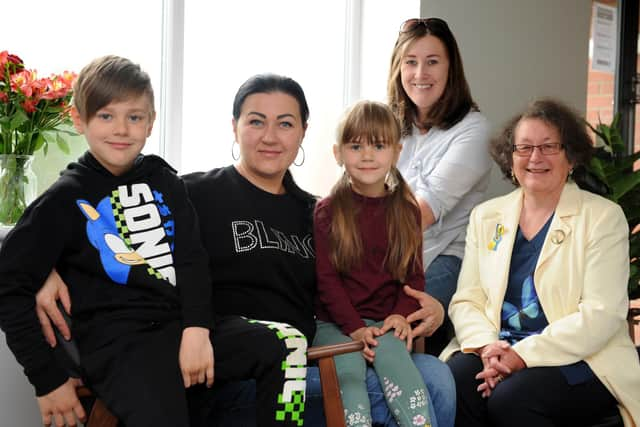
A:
497, 237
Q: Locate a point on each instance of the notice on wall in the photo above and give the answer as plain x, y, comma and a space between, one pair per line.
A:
604, 38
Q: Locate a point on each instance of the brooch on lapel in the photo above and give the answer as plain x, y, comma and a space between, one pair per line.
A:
497, 237
557, 236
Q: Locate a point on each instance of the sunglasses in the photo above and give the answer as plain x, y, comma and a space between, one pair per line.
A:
429, 23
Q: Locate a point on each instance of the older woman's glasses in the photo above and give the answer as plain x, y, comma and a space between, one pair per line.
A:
525, 150
430, 23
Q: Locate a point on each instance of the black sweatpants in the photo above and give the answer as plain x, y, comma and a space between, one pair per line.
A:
138, 375
531, 397
272, 353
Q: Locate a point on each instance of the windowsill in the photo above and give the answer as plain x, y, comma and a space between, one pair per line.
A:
4, 231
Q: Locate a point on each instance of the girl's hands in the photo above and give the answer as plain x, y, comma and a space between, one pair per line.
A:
368, 334
402, 328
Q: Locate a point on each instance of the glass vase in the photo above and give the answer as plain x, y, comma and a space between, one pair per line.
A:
18, 186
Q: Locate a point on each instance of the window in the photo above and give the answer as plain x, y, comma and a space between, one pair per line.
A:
68, 37
614, 79
339, 52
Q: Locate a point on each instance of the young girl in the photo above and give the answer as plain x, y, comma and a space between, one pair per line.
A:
368, 245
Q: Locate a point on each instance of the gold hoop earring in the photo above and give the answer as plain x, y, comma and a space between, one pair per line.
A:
303, 157
233, 153
514, 180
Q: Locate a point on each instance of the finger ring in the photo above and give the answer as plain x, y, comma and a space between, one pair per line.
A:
500, 378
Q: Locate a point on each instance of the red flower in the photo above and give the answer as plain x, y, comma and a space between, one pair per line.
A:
13, 63
29, 105
34, 111
56, 87
25, 82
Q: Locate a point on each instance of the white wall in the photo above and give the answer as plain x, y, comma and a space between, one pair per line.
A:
18, 407
516, 50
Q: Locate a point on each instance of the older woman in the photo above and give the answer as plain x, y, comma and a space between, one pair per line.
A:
539, 314
256, 225
445, 156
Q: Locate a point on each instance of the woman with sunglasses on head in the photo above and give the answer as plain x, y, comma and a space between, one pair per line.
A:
444, 158
540, 310
256, 225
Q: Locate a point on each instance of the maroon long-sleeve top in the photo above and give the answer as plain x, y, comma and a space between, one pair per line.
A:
368, 291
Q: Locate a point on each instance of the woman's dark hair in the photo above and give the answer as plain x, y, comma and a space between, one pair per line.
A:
455, 101
577, 145
269, 83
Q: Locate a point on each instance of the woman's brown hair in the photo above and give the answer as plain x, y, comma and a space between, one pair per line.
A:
455, 102
374, 122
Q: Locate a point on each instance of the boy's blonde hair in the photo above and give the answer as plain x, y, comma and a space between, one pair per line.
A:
107, 79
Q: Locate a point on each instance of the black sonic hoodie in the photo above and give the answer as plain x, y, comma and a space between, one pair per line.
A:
128, 247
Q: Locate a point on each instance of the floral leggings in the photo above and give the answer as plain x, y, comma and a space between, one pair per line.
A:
403, 386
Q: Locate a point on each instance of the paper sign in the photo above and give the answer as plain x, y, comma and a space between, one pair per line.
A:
604, 38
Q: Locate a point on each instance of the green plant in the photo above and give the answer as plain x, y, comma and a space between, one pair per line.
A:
617, 180
34, 113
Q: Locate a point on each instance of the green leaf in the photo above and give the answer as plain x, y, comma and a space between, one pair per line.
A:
62, 144
39, 142
625, 184
615, 168
66, 128
19, 119
67, 132
615, 123
597, 168
626, 163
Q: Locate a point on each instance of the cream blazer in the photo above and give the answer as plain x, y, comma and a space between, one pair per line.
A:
581, 281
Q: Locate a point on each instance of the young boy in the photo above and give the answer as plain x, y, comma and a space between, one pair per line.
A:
120, 230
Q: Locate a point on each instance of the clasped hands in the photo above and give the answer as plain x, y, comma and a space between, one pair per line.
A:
499, 360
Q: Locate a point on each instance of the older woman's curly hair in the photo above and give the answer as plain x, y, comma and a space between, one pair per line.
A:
572, 129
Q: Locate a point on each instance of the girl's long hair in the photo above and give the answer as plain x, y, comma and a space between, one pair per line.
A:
374, 122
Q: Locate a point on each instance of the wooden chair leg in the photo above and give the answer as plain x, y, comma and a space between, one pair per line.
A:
331, 398
99, 415
419, 345
332, 401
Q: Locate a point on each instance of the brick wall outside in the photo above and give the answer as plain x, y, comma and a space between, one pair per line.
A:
600, 95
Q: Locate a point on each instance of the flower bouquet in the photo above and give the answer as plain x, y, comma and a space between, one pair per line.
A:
34, 112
